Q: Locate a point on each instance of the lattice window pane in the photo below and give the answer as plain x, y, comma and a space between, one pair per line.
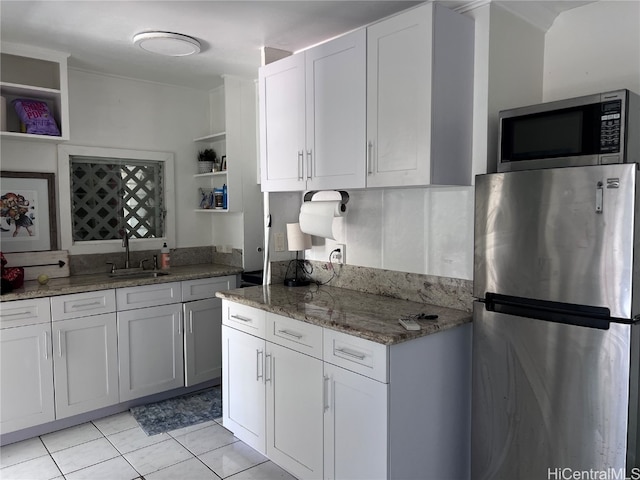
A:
109, 195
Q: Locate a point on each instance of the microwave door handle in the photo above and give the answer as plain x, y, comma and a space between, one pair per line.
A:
599, 197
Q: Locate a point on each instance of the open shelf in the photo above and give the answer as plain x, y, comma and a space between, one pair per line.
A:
214, 137
211, 174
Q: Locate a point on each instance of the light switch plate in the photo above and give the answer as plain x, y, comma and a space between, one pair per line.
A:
279, 242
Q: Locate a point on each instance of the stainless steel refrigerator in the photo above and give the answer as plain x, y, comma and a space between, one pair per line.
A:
555, 336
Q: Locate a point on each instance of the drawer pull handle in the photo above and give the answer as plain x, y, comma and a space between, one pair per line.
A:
268, 367
290, 334
80, 305
259, 371
241, 318
326, 384
59, 343
16, 314
46, 346
349, 353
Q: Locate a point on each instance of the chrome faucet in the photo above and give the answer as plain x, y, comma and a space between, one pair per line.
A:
125, 244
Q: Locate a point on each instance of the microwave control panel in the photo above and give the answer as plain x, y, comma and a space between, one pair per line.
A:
610, 124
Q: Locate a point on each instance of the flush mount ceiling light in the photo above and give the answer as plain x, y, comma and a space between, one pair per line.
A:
167, 43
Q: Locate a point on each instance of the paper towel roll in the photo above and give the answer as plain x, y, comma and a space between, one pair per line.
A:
316, 218
296, 240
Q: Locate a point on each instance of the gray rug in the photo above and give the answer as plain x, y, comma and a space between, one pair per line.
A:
179, 412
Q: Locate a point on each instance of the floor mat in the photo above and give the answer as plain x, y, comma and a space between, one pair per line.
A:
179, 412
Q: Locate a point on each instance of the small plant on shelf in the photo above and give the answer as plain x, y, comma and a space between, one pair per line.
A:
206, 159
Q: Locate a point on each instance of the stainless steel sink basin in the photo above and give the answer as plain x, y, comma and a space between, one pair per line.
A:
137, 273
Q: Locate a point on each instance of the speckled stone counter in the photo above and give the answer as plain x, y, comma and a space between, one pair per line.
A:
369, 316
102, 281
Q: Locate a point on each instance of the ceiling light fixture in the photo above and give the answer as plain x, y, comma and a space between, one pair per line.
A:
167, 43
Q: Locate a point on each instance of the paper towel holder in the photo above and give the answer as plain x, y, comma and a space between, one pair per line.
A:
344, 197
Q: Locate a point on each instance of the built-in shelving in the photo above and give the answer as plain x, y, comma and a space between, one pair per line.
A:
37, 74
211, 174
212, 210
214, 137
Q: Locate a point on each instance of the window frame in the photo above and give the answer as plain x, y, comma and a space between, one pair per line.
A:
65, 153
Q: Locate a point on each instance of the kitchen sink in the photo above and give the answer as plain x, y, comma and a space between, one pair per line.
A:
137, 273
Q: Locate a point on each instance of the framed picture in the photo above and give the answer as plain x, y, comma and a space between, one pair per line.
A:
223, 167
27, 211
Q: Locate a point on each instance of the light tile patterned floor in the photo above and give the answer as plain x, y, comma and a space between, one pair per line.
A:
116, 448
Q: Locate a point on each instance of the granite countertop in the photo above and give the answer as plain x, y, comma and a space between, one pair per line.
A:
88, 283
365, 315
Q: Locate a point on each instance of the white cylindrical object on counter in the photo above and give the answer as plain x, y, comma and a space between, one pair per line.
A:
296, 240
316, 218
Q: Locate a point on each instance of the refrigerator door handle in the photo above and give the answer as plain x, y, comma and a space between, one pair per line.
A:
599, 197
580, 315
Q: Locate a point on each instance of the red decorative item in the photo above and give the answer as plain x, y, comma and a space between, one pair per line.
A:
13, 275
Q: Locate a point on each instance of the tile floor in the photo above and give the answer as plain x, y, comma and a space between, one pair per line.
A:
116, 448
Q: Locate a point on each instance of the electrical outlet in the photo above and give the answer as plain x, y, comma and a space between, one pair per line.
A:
339, 257
279, 242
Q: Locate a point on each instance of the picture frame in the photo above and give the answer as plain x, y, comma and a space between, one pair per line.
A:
27, 211
223, 166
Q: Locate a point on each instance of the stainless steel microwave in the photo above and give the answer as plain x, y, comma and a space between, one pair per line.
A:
591, 130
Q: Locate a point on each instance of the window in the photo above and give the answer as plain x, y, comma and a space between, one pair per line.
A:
112, 191
109, 196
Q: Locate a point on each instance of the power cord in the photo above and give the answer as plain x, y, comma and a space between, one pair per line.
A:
333, 269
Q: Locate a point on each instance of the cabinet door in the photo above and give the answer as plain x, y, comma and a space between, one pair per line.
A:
150, 356
355, 426
243, 390
26, 383
85, 364
202, 341
282, 128
399, 58
294, 411
336, 113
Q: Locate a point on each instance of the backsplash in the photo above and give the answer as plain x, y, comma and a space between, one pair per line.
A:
442, 291
97, 263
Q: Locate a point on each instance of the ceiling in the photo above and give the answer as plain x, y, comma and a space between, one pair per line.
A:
98, 34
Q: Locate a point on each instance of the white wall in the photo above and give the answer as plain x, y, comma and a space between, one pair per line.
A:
117, 112
593, 49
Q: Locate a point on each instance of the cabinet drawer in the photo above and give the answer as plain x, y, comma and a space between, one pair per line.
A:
294, 334
24, 312
356, 354
148, 296
247, 319
206, 287
83, 304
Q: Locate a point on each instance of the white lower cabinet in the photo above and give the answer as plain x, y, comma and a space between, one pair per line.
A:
202, 314
85, 352
150, 342
272, 393
85, 364
71, 354
355, 426
202, 341
243, 401
325, 404
294, 411
26, 365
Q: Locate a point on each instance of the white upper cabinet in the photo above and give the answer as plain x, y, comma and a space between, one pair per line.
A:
420, 98
282, 128
336, 106
312, 117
